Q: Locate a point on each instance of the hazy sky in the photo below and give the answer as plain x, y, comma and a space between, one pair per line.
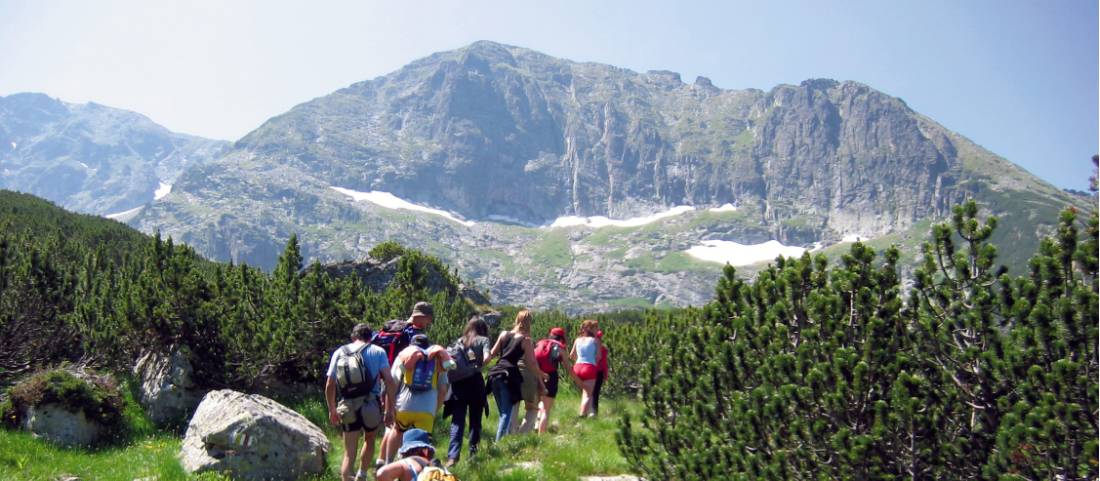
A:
1018, 77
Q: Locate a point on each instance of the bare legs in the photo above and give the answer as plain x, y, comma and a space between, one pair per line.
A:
586, 397
351, 446
545, 407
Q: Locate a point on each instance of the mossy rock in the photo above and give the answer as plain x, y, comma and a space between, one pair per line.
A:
60, 396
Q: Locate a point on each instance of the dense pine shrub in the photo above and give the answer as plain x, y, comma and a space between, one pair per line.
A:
81, 288
831, 372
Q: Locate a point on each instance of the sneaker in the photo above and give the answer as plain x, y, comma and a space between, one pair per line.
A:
450, 463
378, 463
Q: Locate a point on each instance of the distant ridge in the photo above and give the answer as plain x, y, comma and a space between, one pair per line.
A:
88, 157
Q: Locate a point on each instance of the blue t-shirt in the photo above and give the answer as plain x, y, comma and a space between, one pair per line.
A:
374, 359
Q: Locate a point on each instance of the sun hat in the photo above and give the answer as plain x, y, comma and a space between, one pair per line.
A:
415, 439
422, 309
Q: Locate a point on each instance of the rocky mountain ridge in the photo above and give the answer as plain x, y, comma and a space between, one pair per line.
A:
491, 132
89, 157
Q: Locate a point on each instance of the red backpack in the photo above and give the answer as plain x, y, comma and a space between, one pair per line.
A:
391, 338
548, 354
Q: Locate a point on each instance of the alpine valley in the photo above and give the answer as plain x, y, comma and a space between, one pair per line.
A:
553, 183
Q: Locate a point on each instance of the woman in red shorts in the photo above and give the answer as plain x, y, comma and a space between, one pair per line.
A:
585, 350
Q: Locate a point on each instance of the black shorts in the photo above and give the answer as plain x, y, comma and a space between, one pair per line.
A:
552, 385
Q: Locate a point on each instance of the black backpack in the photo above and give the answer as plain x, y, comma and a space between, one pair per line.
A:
468, 361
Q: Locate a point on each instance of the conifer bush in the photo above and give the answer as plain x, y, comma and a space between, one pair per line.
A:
838, 372
79, 288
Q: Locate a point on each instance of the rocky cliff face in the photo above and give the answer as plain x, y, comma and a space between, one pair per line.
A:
90, 158
497, 130
493, 132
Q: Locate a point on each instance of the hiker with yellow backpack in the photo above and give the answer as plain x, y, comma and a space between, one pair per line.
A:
417, 461
421, 374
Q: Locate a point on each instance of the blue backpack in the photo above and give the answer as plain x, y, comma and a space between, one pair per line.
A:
423, 377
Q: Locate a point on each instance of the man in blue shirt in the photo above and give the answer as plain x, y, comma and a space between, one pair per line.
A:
352, 393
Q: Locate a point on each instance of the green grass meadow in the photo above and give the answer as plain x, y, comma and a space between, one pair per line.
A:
574, 447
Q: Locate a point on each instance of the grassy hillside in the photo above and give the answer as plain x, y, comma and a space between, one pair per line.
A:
574, 447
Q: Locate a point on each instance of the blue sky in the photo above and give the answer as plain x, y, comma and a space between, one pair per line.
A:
1017, 77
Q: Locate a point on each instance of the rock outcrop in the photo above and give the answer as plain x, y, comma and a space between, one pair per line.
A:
253, 438
377, 275
168, 391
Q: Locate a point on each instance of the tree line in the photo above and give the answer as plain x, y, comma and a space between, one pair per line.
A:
84, 289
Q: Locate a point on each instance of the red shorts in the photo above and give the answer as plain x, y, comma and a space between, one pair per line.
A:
585, 371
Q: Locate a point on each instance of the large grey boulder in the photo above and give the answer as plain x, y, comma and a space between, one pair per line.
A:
61, 425
168, 391
252, 437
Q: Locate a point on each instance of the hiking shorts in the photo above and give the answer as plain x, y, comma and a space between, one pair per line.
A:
585, 371
407, 420
530, 388
359, 414
552, 384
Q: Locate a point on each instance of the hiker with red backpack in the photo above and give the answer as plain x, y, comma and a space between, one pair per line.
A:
467, 386
550, 354
396, 334
394, 337
352, 394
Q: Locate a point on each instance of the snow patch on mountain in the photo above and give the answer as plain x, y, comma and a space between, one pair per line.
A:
724, 208
126, 215
162, 191
390, 201
601, 221
736, 254
854, 238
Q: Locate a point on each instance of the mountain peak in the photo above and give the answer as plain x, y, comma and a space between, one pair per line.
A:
489, 45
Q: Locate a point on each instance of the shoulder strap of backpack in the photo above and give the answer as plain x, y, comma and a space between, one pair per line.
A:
361, 348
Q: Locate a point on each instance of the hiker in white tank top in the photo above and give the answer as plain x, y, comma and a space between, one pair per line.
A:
585, 350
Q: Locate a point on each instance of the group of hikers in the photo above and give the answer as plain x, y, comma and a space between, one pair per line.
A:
396, 379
